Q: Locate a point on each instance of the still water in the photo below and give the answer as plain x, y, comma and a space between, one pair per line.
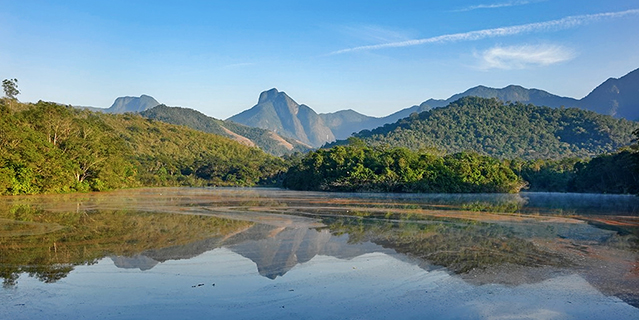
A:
271, 254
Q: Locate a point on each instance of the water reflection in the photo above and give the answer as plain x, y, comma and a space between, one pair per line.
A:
482, 239
79, 238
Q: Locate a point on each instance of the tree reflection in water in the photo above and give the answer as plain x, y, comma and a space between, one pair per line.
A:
473, 236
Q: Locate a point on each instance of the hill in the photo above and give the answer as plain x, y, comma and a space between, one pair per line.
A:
277, 112
514, 130
51, 148
266, 140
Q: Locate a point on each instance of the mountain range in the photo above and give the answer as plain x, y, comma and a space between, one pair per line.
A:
288, 126
344, 123
278, 112
274, 250
266, 140
616, 97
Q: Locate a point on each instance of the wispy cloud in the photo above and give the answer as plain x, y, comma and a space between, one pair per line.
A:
499, 5
552, 25
521, 57
374, 33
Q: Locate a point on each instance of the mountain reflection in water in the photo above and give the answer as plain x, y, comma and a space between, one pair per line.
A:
505, 239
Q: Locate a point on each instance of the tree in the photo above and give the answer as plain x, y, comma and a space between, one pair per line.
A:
10, 87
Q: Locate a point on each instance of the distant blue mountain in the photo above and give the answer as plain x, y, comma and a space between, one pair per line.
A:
276, 111
616, 97
132, 104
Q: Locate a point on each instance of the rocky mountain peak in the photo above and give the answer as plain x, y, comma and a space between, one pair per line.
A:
268, 95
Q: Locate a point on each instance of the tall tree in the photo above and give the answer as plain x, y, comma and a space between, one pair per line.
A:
10, 87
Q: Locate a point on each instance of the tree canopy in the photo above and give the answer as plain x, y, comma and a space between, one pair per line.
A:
10, 87
49, 148
361, 168
506, 131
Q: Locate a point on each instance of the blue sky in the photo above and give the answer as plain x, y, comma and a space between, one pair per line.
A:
375, 57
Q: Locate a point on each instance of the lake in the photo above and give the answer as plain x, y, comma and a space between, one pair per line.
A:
254, 253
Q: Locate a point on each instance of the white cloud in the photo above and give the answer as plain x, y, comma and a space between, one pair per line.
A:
499, 5
521, 57
553, 25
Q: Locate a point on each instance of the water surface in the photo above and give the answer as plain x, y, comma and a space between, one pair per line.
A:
270, 253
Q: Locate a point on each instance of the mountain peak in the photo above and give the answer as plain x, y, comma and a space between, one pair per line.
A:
268, 95
132, 104
616, 97
278, 112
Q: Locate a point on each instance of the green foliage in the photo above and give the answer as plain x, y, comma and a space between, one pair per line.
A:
507, 131
50, 148
10, 87
607, 173
362, 168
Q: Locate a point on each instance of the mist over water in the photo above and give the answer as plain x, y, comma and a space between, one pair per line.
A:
271, 253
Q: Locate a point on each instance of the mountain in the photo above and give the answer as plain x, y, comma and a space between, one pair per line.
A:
275, 250
132, 104
266, 140
616, 97
277, 112
344, 123
512, 93
514, 130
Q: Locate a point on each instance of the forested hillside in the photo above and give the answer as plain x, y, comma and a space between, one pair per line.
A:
266, 140
49, 148
514, 130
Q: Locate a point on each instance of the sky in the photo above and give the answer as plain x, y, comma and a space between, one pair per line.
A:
375, 57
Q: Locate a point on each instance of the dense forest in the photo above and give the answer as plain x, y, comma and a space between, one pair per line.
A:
51, 148
607, 173
506, 131
358, 167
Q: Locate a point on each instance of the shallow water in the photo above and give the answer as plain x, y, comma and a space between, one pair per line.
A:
270, 253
